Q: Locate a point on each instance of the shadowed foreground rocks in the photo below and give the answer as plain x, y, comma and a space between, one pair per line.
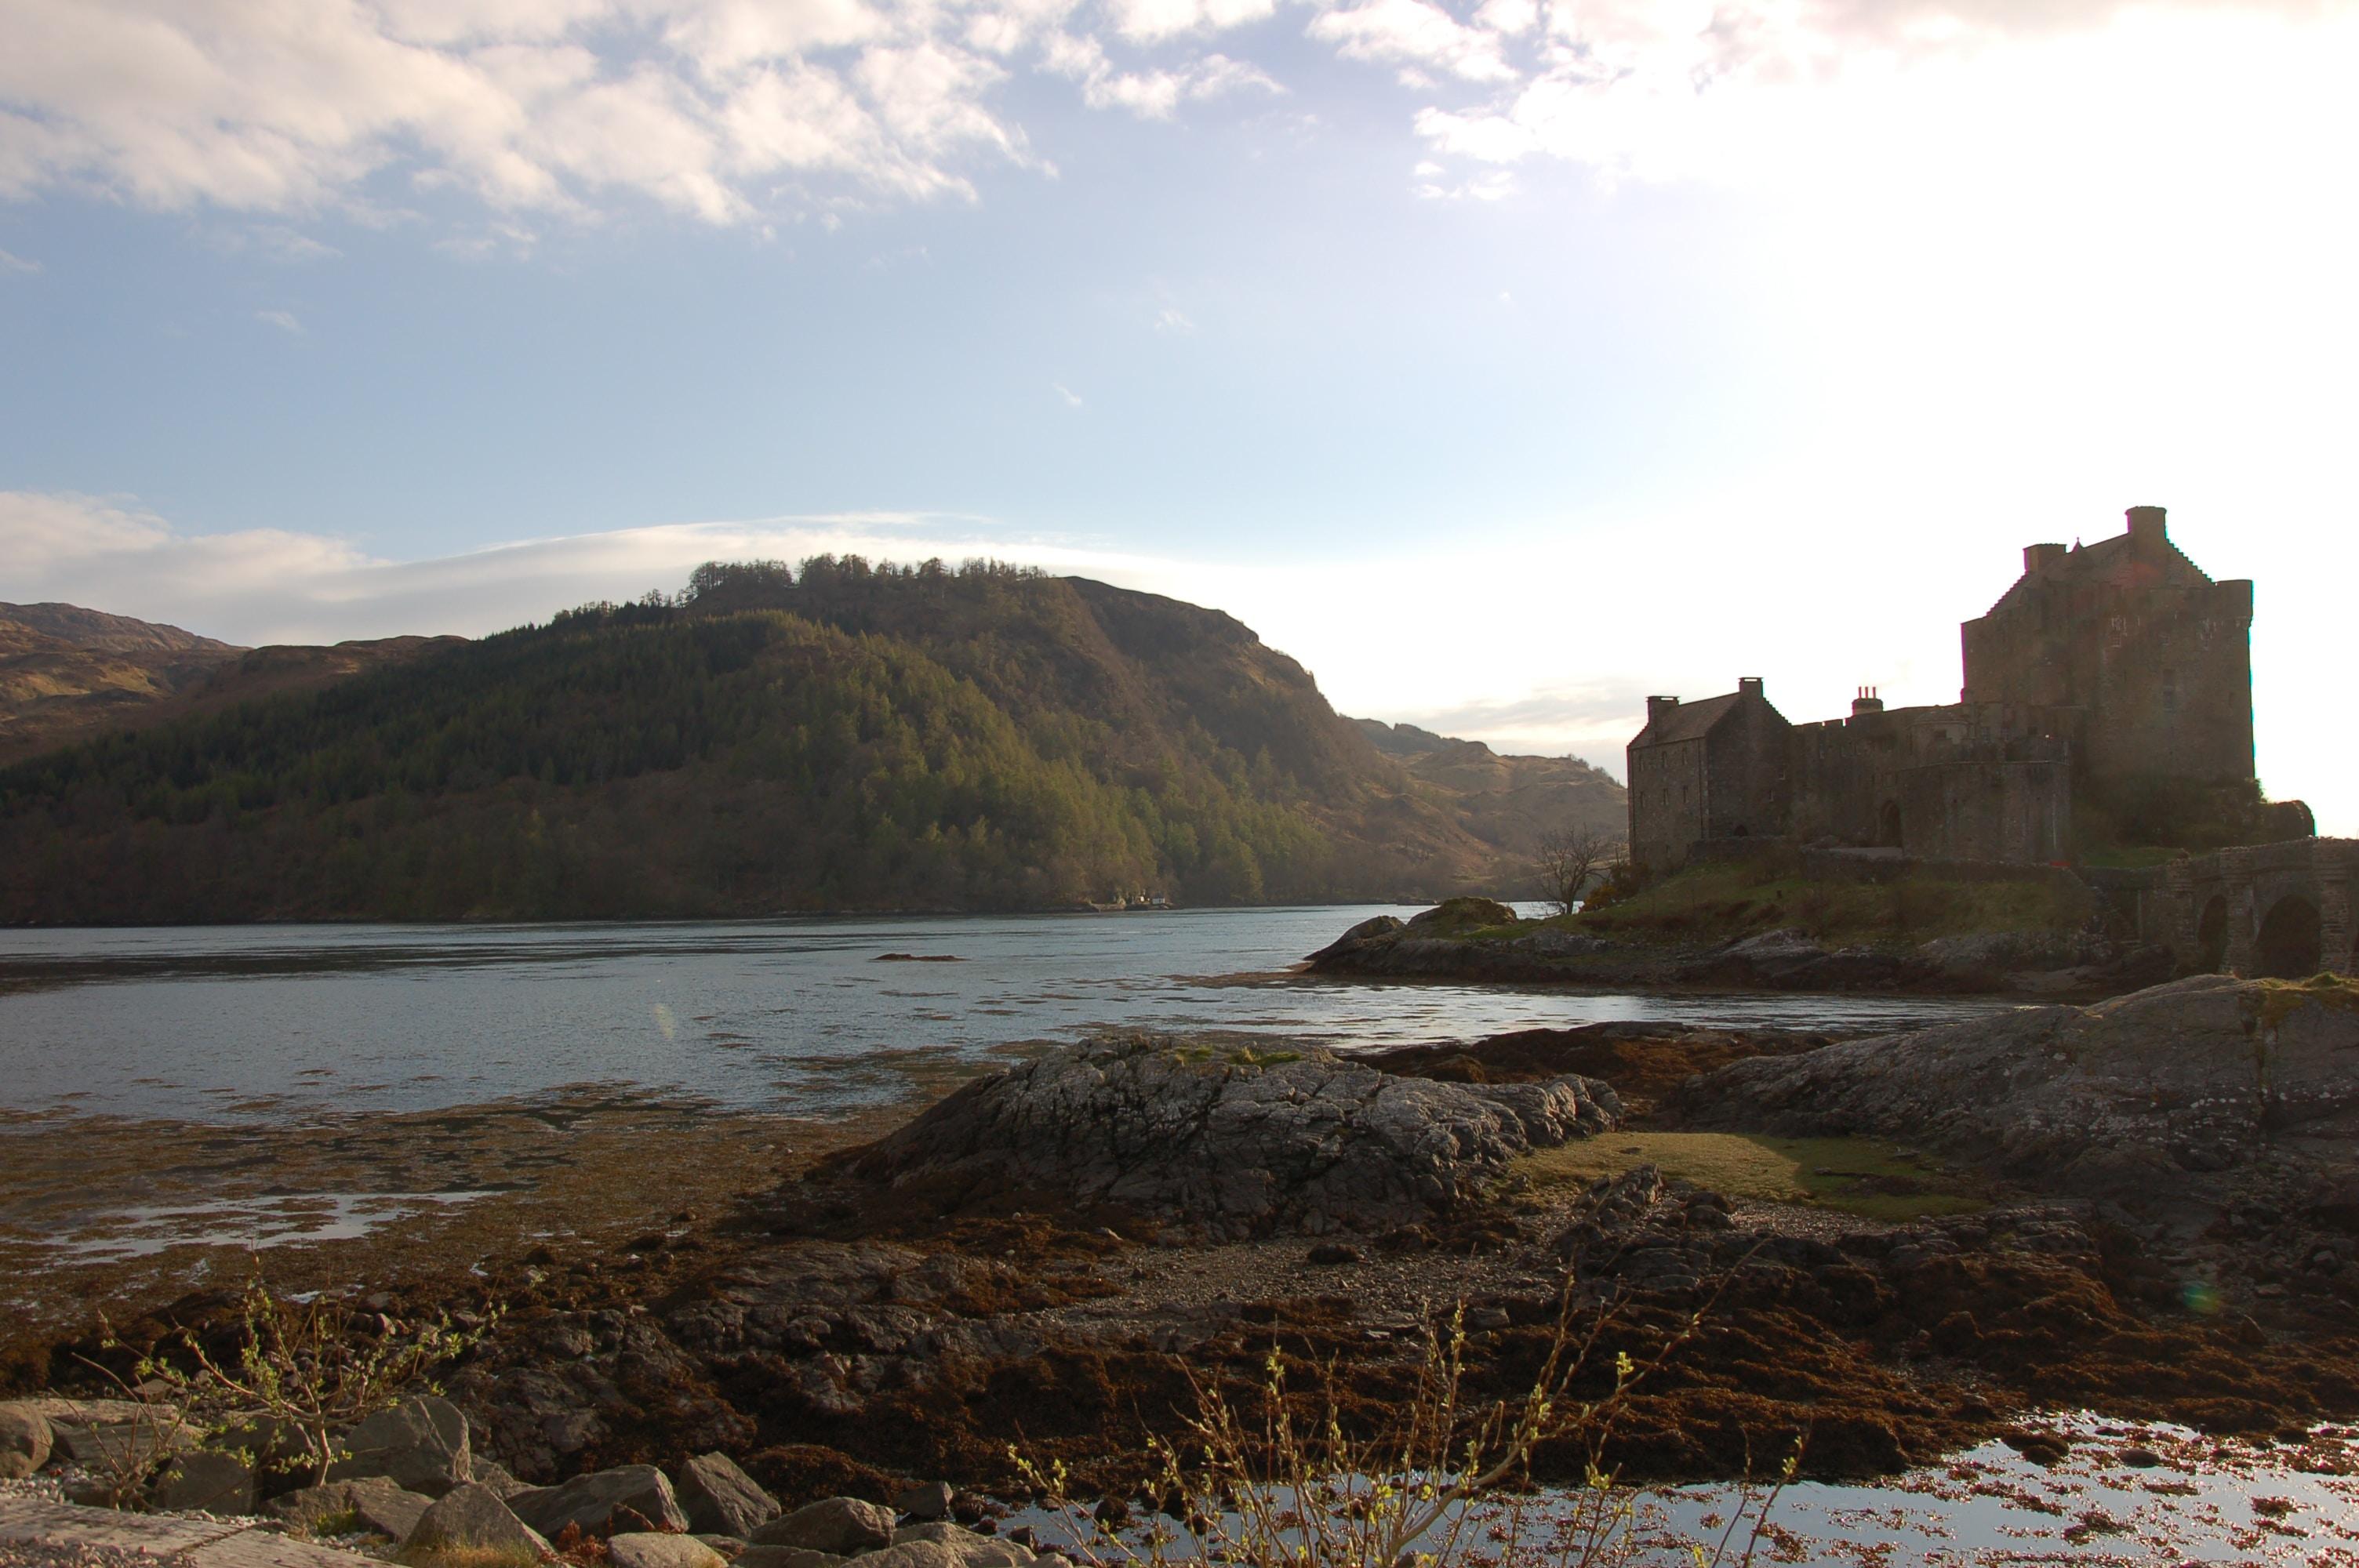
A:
1223, 1144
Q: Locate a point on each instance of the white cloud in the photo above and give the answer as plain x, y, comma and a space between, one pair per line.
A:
724, 111
1150, 20
18, 264
1072, 399
1417, 32
256, 586
1174, 323
1151, 94
282, 319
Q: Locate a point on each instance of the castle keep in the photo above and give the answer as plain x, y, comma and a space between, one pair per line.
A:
2109, 675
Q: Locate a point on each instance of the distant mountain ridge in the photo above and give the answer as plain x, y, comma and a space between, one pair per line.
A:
1507, 802
843, 737
68, 674
97, 632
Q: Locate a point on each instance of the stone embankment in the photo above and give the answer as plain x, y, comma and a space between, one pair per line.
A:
2005, 962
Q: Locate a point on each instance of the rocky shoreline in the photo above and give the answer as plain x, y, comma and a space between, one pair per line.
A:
1504, 949
2149, 1208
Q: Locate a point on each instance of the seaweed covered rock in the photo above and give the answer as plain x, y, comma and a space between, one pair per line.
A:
1215, 1139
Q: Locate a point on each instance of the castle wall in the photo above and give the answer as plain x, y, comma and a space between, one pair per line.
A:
1987, 809
1667, 787
2176, 690
1835, 774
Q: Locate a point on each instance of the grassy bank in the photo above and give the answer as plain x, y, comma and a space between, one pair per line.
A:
1720, 901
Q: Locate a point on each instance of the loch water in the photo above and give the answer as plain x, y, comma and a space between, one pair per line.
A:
805, 1017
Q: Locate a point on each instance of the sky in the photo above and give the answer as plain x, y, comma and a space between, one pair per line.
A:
1504, 361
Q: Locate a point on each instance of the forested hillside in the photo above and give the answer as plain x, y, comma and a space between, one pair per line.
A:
845, 736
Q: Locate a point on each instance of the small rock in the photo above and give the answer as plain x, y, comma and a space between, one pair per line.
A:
645, 1549
915, 1554
973, 1550
731, 1547
931, 1501
721, 1500
491, 1473
25, 1439
468, 1524
845, 1526
2142, 1457
376, 1501
760, 1556
1332, 1252
205, 1482
1488, 1317
626, 1497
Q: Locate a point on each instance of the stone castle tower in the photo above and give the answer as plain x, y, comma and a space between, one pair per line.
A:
2145, 661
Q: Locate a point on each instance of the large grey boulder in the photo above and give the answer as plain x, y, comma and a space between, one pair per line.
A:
374, 1501
25, 1439
420, 1443
645, 1549
721, 1500
2118, 1099
1227, 1139
468, 1525
845, 1526
203, 1481
626, 1497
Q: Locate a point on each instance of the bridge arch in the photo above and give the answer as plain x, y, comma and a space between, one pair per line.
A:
2287, 945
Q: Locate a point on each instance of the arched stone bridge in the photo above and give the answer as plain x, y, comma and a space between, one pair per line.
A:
2259, 909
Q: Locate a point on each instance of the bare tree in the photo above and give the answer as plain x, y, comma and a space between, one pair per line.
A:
1569, 859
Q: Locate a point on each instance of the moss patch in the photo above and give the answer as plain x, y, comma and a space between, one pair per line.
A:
1855, 1175
2281, 999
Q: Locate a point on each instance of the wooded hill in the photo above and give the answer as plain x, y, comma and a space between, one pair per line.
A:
846, 737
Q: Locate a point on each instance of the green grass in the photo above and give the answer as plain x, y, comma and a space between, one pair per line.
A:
1865, 1178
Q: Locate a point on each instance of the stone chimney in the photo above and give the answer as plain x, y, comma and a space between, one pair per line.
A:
2038, 557
1866, 702
1748, 684
1658, 705
2146, 526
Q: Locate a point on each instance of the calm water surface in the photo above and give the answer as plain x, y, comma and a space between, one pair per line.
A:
243, 1022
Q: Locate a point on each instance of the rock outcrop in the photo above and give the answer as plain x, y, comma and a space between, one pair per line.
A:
2123, 1099
1224, 1142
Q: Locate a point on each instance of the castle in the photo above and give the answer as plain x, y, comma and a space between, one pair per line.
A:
2109, 676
